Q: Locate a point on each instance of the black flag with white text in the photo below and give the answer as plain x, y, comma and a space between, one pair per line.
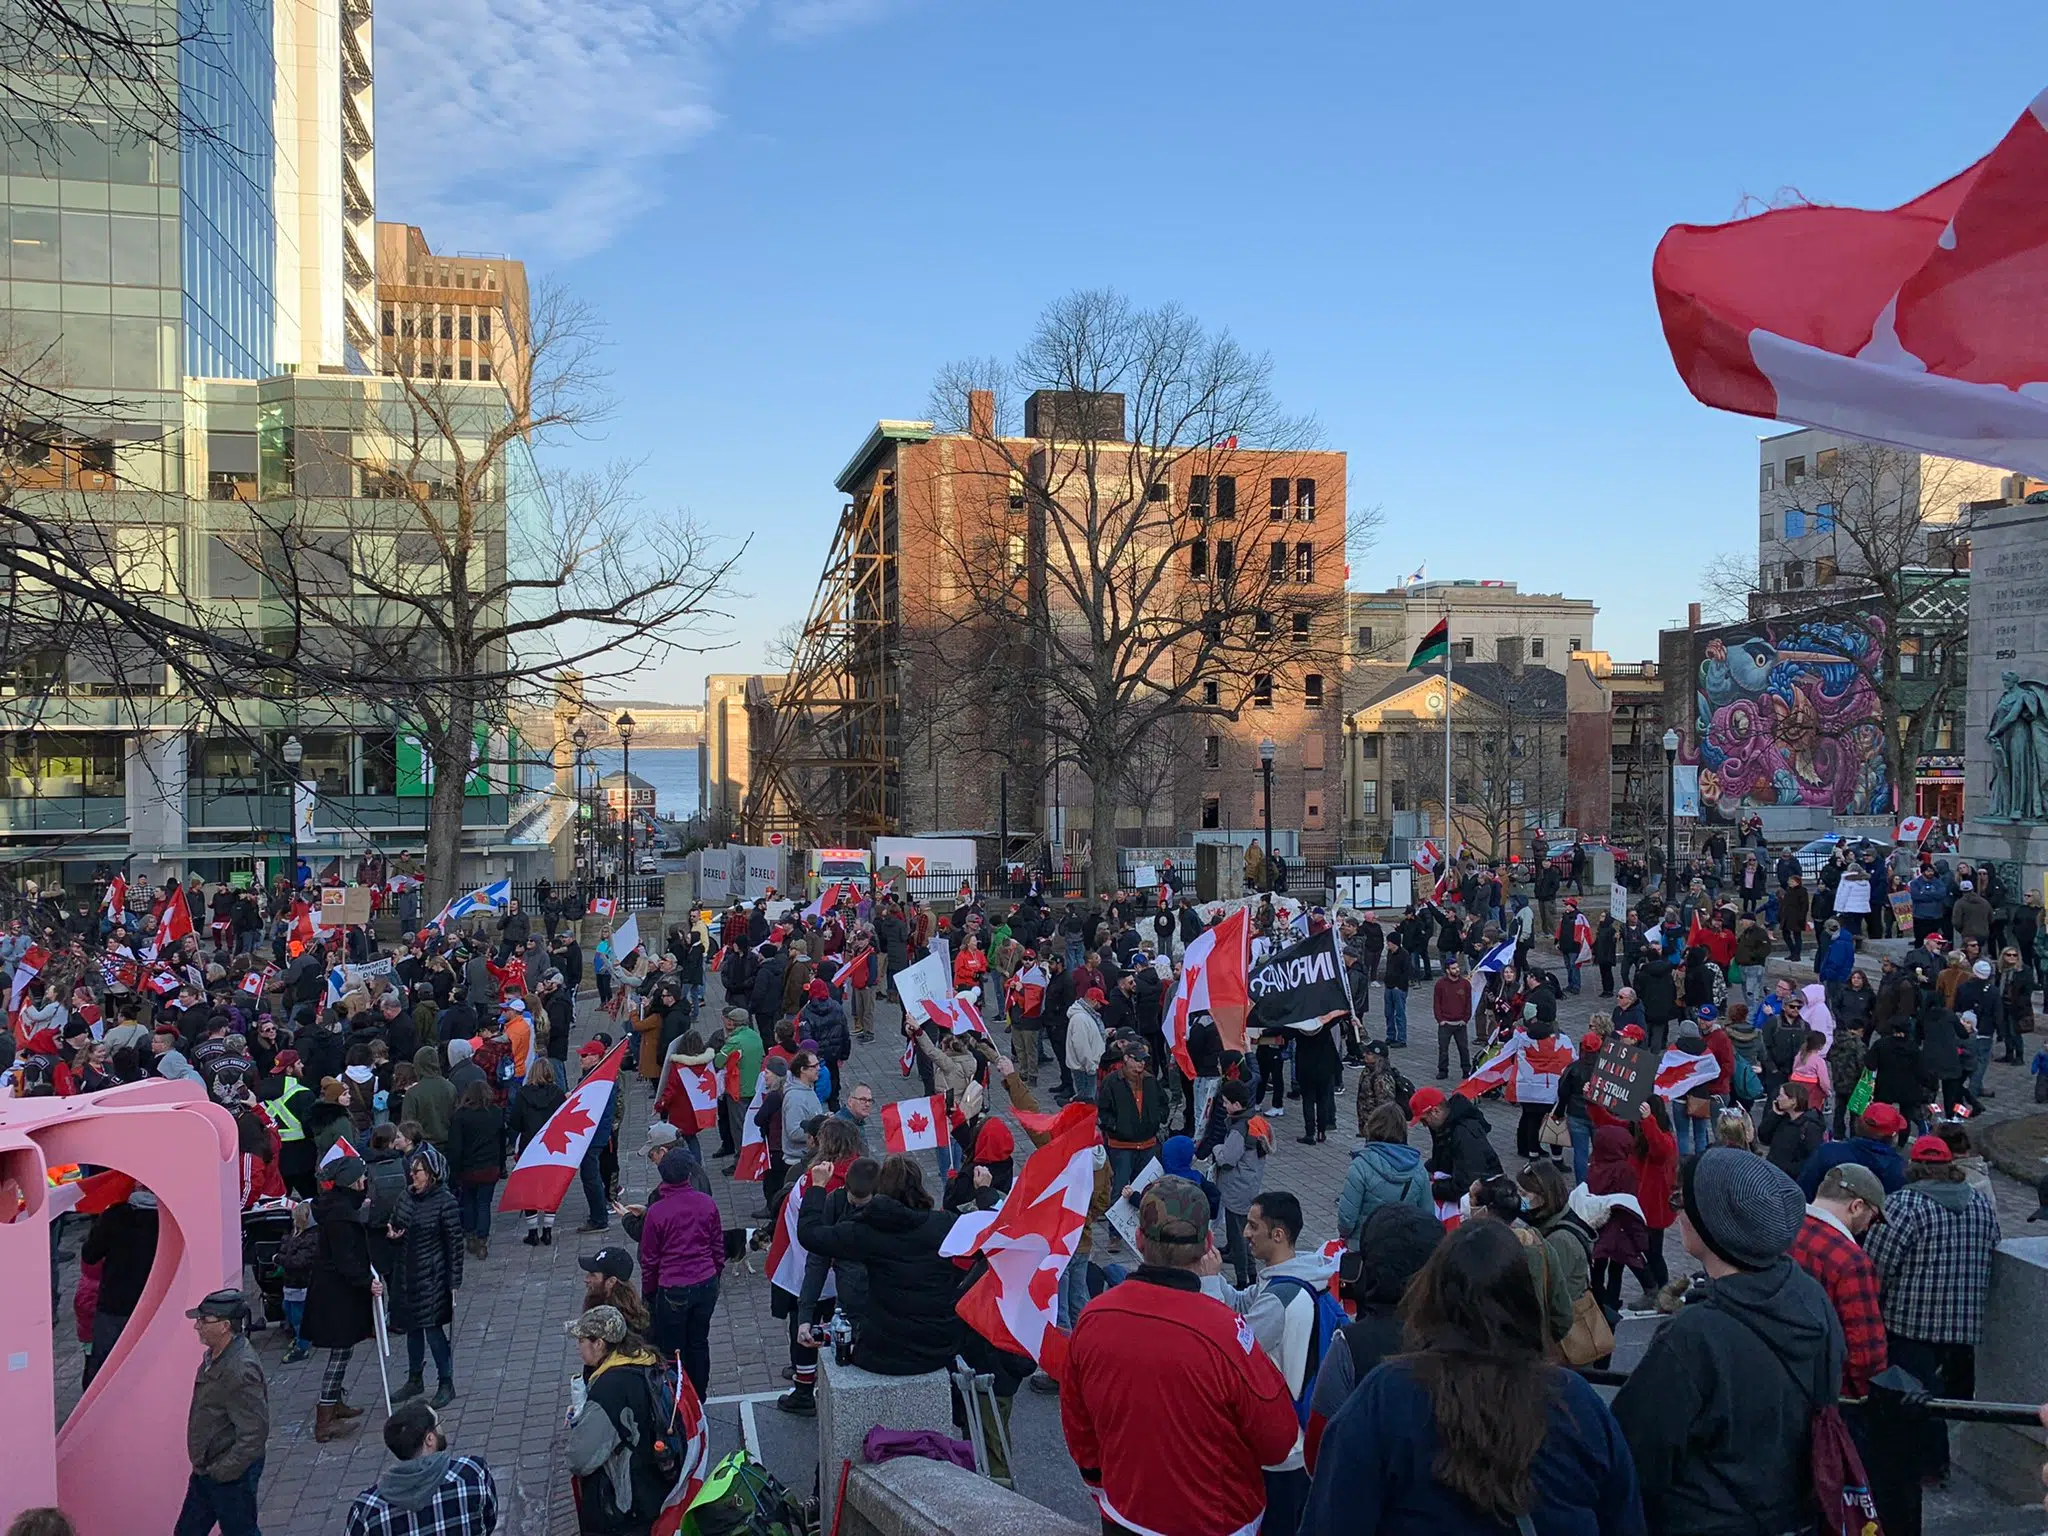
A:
1297, 987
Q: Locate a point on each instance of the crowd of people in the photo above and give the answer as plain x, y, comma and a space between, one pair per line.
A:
1822, 1183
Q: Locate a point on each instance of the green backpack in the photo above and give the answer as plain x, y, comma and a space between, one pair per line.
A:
741, 1497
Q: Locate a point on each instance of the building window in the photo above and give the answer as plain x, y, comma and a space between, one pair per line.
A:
1226, 559
1262, 691
1156, 491
1767, 477
1467, 743
1301, 623
1212, 811
1014, 545
1824, 571
1276, 505
1795, 574
1226, 495
1795, 470
447, 327
1909, 656
1824, 517
1563, 745
1577, 644
1210, 693
1464, 649
1304, 562
466, 328
1536, 649
463, 368
483, 327
1461, 791
405, 326
1212, 751
1198, 496
1198, 560
1312, 690
1365, 637
1368, 797
1795, 523
1767, 527
1276, 560
1262, 625
1305, 500
447, 370
1312, 811
1397, 795
1826, 461
1369, 748
390, 321
483, 370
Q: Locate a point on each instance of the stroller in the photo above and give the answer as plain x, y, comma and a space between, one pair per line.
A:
264, 1229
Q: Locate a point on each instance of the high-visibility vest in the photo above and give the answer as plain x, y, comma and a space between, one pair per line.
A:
287, 1119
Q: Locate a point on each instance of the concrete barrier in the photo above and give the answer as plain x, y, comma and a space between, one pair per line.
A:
852, 1401
2012, 1365
915, 1497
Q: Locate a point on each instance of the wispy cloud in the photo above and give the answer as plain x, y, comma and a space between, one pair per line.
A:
542, 127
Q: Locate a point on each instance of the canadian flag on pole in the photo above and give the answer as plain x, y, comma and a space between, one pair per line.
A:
1913, 830
1917, 325
689, 1098
1015, 1304
173, 923
914, 1125
603, 906
1212, 981
547, 1167
116, 904
1425, 857
752, 1166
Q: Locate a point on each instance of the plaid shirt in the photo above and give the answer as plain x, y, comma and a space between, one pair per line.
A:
1829, 1254
1934, 1265
465, 1504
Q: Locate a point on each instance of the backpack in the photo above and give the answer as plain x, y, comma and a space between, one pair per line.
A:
668, 1449
1743, 1081
740, 1497
1329, 1318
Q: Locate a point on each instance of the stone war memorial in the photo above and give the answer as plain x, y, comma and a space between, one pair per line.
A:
2006, 767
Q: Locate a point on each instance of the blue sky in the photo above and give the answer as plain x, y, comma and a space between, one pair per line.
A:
1438, 220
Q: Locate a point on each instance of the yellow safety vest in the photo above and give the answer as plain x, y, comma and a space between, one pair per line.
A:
281, 1111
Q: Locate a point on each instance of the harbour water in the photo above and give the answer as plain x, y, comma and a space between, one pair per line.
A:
671, 770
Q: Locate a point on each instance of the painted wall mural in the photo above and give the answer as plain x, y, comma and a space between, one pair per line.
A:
1788, 715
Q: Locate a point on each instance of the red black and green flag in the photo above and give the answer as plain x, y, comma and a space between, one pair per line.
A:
1435, 646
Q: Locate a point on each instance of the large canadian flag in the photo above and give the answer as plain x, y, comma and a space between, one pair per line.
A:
1921, 325
1015, 1305
786, 1256
752, 1166
1212, 981
547, 1167
914, 1125
689, 1098
173, 923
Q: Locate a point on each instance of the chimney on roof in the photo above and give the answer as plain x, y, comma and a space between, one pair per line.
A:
1692, 615
981, 413
1507, 650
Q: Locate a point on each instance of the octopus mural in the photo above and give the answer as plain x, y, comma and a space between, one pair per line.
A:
1790, 717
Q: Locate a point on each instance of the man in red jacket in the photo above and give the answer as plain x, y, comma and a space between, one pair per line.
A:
1451, 1000
1155, 1364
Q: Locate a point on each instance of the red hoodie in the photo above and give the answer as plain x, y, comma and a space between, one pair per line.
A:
1154, 1365
1656, 1160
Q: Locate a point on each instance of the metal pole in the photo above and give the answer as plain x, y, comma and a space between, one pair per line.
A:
626, 769
1450, 841
1670, 820
1003, 826
1266, 774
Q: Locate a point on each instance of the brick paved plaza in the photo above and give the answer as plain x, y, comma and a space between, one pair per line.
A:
513, 1364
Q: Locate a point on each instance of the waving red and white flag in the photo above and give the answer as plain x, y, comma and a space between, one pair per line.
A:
1917, 325
752, 1166
1582, 935
342, 1147
689, 1098
1679, 1074
1425, 856
548, 1166
1913, 830
116, 903
691, 1434
604, 906
26, 969
71, 1189
1015, 1305
786, 1256
855, 970
827, 899
173, 923
1212, 981
915, 1125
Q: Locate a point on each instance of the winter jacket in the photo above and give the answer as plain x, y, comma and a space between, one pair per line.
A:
742, 1049
952, 1071
682, 1241
1656, 1163
228, 1424
1131, 1117
1789, 1140
917, 1330
432, 1099
1753, 946
338, 1295
1152, 1362
1381, 1174
1972, 915
123, 1243
1717, 1413
765, 1000
474, 1152
1240, 1162
1795, 904
1085, 1042
1376, 1467
800, 1102
1838, 960
824, 1021
439, 1492
1880, 1157
1459, 1147
1657, 990
531, 1110
610, 1452
426, 1267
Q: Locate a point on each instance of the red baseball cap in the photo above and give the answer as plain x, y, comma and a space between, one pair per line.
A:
1931, 1149
1423, 1101
1591, 1040
1884, 1119
1094, 995
1633, 1032
590, 1048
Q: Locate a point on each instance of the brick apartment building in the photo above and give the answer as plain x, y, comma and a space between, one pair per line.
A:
952, 525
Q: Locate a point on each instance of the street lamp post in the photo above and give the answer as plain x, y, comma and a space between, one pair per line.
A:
1353, 770
1266, 780
624, 726
578, 740
294, 754
1670, 808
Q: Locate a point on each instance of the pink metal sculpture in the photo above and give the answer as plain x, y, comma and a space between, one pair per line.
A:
119, 1462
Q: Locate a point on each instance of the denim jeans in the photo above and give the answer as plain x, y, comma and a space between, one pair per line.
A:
1582, 1146
1693, 1136
1397, 1016
682, 1325
1125, 1164
475, 1200
418, 1341
590, 1171
231, 1506
1073, 1289
1979, 1047
1571, 972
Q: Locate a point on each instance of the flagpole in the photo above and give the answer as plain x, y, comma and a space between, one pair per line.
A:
1450, 841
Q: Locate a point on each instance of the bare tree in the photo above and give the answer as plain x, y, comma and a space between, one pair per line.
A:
1883, 555
1102, 556
402, 556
